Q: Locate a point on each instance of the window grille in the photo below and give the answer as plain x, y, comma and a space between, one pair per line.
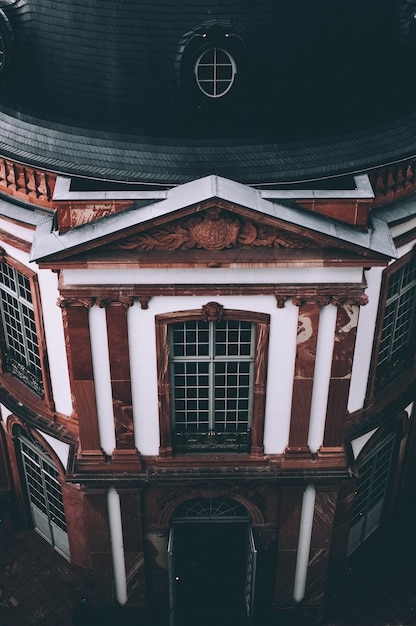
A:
397, 342
211, 381
371, 493
210, 509
215, 72
44, 492
20, 350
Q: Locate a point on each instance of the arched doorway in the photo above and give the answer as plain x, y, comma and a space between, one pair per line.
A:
212, 564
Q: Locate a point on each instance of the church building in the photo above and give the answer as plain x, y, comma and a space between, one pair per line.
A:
207, 295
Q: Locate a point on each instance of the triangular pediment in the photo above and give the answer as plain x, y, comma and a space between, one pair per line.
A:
209, 219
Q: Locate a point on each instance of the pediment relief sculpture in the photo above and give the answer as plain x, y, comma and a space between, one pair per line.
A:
214, 229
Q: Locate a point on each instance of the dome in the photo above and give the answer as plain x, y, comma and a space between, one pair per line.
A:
166, 92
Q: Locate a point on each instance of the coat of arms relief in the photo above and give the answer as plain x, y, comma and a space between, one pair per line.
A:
213, 230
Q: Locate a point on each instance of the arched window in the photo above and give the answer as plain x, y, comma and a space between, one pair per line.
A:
212, 381
43, 491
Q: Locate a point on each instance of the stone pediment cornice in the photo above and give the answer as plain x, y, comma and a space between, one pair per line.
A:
213, 229
209, 216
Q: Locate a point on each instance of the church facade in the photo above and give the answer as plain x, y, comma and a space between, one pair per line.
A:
206, 380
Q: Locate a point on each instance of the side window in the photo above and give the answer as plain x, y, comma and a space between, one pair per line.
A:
212, 375
20, 332
397, 345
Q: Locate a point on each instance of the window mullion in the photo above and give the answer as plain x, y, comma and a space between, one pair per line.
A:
211, 415
24, 332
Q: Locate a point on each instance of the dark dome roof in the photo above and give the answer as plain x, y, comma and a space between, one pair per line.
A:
108, 88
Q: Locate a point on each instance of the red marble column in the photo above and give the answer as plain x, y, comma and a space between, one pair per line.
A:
342, 359
131, 515
323, 522
96, 515
78, 345
74, 506
290, 514
303, 378
118, 347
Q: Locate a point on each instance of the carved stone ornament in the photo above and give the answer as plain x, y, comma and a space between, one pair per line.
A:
361, 300
324, 300
214, 229
63, 302
212, 312
126, 302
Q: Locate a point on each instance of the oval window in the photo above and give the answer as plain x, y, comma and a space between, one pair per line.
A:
215, 72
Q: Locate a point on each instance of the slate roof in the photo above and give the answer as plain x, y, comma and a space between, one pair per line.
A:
93, 90
171, 161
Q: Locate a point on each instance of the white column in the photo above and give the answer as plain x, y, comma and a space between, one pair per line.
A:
281, 365
55, 342
117, 546
304, 545
143, 371
322, 376
102, 378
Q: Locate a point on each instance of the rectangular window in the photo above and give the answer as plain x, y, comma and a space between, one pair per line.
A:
211, 372
20, 348
396, 348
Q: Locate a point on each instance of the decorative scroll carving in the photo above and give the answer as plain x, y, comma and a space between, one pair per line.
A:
63, 302
320, 300
361, 300
212, 312
214, 229
324, 300
280, 301
144, 302
123, 416
126, 302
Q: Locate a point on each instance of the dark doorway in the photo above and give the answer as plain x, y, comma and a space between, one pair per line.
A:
209, 573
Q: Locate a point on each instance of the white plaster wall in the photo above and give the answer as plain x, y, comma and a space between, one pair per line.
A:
405, 249
19, 255
60, 447
5, 412
23, 232
359, 443
364, 341
214, 276
55, 341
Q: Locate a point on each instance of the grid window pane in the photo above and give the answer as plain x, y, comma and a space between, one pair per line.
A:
374, 480
215, 72
43, 486
21, 353
212, 381
396, 346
